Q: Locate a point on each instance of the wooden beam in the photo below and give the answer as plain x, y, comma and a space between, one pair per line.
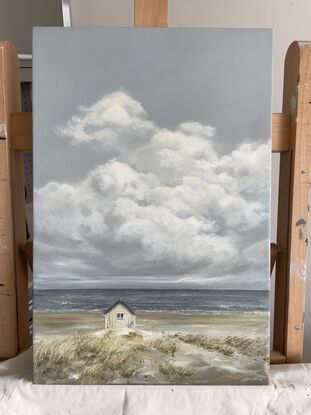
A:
20, 236
281, 266
281, 127
28, 252
273, 255
8, 295
14, 280
21, 126
277, 357
150, 13
21, 130
295, 174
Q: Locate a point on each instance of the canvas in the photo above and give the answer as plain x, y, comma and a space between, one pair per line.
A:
151, 205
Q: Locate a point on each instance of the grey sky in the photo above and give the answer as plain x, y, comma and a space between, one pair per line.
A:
214, 77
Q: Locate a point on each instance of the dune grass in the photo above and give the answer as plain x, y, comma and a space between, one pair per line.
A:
230, 345
93, 359
175, 374
164, 345
123, 358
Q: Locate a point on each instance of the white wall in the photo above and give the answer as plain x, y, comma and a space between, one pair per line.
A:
102, 12
17, 18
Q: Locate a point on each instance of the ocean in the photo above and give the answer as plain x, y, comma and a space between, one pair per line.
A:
199, 301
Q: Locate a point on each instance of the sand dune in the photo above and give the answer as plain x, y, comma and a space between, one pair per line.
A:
163, 348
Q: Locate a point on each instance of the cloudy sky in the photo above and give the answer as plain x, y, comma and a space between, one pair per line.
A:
152, 158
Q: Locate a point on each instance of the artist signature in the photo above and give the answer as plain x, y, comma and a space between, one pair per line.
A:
252, 379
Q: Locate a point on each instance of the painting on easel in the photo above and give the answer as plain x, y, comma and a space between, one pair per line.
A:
152, 188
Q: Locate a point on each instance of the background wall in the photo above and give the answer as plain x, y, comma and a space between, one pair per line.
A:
102, 12
289, 18
17, 17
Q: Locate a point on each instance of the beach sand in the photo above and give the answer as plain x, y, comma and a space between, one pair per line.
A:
163, 348
60, 324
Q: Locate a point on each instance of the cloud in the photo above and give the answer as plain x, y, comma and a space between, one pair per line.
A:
163, 207
116, 123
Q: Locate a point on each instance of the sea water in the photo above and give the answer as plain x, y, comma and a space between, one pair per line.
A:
198, 301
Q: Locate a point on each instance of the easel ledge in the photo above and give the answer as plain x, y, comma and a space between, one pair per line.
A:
21, 124
291, 137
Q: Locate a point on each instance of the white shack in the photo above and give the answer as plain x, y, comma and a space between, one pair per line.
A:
119, 316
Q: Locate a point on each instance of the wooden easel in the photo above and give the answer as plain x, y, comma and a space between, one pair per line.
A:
291, 136
14, 314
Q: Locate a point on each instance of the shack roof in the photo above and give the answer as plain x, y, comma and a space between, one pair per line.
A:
122, 303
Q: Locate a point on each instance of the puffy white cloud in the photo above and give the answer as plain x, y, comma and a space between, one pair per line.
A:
116, 122
164, 205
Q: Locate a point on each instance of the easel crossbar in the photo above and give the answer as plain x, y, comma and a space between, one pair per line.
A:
21, 125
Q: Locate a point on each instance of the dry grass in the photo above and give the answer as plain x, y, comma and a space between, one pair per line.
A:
93, 359
175, 374
230, 345
140, 347
164, 345
120, 364
134, 336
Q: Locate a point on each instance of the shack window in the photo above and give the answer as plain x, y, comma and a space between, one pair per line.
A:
120, 316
